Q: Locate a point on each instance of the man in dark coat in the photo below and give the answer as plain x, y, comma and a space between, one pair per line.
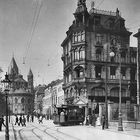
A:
103, 121
1, 122
16, 122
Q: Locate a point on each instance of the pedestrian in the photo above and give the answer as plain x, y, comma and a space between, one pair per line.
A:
93, 120
40, 119
16, 122
103, 121
87, 120
28, 117
32, 117
1, 122
20, 120
23, 121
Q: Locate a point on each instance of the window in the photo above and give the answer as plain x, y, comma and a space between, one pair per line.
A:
99, 39
113, 72
98, 71
114, 92
83, 35
81, 53
22, 100
98, 92
123, 57
78, 37
76, 54
133, 57
79, 72
98, 54
123, 73
16, 100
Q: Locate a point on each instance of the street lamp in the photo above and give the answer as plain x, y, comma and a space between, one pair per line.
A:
111, 54
120, 126
6, 83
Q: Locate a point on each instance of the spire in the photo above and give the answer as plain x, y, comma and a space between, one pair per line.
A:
30, 72
13, 68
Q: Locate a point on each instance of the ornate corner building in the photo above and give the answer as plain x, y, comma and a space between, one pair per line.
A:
90, 72
21, 95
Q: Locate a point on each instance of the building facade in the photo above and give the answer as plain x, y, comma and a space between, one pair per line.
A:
38, 101
91, 73
54, 96
21, 95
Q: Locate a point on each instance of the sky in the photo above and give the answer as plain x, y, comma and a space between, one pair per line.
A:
37, 45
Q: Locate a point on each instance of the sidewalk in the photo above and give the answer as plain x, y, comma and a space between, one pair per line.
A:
126, 131
11, 133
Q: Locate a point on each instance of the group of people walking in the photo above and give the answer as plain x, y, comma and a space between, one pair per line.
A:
20, 121
93, 120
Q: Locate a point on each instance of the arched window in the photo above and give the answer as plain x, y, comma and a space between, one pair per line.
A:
79, 72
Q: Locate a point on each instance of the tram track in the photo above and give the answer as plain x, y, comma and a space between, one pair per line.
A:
56, 133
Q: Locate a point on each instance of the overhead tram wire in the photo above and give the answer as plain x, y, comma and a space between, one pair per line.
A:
100, 4
34, 17
34, 24
34, 27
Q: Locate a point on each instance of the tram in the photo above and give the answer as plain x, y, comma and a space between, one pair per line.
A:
68, 115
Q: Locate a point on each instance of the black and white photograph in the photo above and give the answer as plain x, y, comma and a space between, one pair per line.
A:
69, 69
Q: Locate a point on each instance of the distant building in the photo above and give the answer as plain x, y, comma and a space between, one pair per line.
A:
90, 73
38, 101
54, 96
21, 95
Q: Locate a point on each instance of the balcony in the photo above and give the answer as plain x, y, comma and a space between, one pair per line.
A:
95, 80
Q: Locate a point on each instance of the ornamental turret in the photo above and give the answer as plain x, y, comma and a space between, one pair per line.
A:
30, 80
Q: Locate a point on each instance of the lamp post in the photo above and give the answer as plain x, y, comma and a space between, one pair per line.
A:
106, 89
120, 126
111, 54
6, 83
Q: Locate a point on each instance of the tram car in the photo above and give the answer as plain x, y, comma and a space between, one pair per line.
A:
68, 115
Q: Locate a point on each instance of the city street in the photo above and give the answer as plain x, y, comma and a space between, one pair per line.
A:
49, 131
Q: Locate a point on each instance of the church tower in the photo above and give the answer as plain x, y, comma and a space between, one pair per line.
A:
13, 69
30, 80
